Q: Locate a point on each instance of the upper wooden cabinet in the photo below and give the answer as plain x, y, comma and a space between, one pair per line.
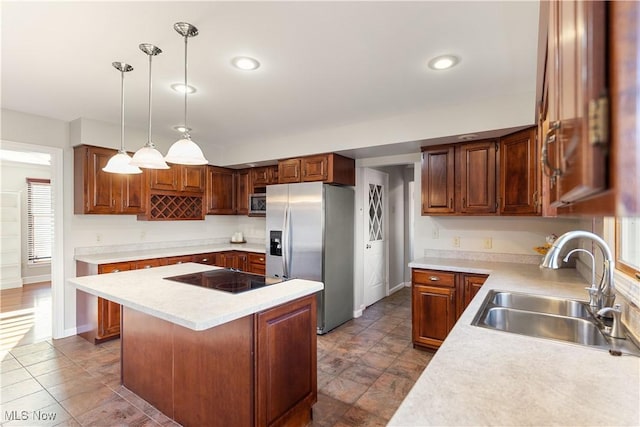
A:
241, 200
219, 191
262, 176
100, 192
519, 178
438, 180
179, 178
459, 179
588, 107
331, 168
477, 166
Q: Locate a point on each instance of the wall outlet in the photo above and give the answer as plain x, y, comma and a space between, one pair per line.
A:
487, 243
98, 237
456, 242
435, 233
143, 235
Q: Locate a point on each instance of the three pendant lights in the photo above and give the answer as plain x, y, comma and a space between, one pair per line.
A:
184, 151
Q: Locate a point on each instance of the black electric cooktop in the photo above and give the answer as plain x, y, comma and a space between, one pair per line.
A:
226, 280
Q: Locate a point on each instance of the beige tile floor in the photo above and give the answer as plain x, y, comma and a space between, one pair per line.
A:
365, 368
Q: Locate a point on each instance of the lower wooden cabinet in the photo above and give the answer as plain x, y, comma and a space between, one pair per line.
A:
438, 299
256, 263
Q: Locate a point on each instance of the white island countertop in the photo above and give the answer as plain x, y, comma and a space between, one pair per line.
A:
190, 306
488, 377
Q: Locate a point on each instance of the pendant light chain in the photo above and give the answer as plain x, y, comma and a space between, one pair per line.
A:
150, 90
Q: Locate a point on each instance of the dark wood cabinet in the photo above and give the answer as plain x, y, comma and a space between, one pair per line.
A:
289, 171
330, 168
178, 178
437, 301
233, 259
148, 263
208, 258
177, 259
459, 179
286, 372
220, 191
256, 263
478, 177
100, 192
262, 176
438, 180
588, 106
241, 200
519, 178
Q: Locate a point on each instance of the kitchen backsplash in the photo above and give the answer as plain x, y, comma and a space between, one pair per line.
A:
484, 256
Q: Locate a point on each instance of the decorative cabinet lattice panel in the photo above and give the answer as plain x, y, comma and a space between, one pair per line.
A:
169, 207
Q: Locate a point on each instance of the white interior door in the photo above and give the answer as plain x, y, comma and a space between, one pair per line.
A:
375, 236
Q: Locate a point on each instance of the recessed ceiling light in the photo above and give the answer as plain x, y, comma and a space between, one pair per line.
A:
443, 62
181, 129
245, 63
179, 87
468, 137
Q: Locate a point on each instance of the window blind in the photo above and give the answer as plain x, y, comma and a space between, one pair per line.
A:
39, 220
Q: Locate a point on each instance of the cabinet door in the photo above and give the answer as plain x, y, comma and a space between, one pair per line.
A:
471, 284
434, 314
108, 311
220, 191
165, 179
256, 263
102, 188
260, 176
315, 168
289, 171
134, 194
438, 180
518, 174
478, 177
273, 174
286, 361
242, 192
192, 178
242, 263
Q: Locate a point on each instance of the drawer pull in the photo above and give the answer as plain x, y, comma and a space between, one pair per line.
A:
434, 278
147, 266
261, 259
115, 271
205, 259
179, 262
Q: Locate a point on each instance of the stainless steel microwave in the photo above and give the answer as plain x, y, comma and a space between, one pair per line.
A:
258, 204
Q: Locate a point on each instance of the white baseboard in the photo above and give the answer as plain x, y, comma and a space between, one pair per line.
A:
36, 279
67, 333
397, 287
11, 284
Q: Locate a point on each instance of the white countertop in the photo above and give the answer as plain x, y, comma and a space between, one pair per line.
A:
190, 306
107, 258
486, 377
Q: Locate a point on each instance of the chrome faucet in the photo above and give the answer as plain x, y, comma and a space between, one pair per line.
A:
606, 291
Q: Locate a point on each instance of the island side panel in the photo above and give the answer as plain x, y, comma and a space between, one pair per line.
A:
213, 374
147, 358
286, 374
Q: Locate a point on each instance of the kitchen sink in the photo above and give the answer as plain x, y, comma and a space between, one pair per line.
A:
563, 328
559, 319
542, 304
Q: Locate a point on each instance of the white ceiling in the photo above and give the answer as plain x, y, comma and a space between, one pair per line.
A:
324, 64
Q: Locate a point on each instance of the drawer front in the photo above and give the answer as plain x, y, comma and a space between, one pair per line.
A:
114, 267
433, 278
255, 258
149, 263
209, 259
179, 259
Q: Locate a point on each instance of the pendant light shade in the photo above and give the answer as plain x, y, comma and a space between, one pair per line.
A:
149, 157
120, 162
185, 151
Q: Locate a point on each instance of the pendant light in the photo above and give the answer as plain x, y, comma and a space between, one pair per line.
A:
185, 151
120, 162
149, 157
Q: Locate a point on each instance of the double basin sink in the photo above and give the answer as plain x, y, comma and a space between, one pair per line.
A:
548, 317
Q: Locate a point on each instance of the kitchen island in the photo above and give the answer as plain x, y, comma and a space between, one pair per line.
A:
206, 357
488, 377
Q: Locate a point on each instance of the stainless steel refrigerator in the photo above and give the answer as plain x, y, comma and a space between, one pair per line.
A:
310, 236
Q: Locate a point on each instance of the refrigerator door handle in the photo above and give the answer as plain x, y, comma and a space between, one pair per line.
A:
286, 242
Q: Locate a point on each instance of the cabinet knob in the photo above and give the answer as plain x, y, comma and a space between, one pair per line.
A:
115, 271
147, 266
434, 278
205, 259
179, 262
261, 259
